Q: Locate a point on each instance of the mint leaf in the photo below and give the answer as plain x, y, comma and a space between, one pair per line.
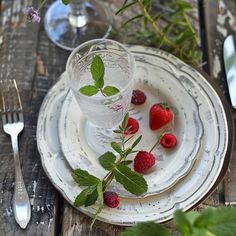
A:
107, 160
192, 216
136, 142
117, 147
131, 181
66, 1
220, 221
125, 121
91, 197
201, 232
100, 199
110, 90
100, 193
81, 198
89, 90
117, 131
182, 223
83, 178
146, 229
98, 70
126, 163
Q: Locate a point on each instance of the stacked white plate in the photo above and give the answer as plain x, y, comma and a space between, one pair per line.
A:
181, 178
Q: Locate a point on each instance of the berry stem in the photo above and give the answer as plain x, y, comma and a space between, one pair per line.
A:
157, 142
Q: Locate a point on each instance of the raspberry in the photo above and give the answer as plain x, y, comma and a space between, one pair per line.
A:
132, 126
143, 161
111, 199
138, 97
168, 141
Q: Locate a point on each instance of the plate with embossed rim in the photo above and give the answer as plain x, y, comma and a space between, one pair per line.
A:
159, 85
207, 171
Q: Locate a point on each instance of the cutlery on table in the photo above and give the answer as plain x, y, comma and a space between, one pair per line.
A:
230, 67
13, 123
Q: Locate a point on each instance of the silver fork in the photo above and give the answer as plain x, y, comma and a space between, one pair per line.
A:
13, 124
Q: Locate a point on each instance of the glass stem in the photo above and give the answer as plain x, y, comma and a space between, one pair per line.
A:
78, 16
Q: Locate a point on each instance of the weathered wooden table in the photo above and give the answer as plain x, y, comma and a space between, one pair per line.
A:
28, 55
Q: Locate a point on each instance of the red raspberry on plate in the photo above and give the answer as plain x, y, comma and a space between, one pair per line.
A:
132, 126
160, 115
111, 199
168, 140
143, 161
138, 97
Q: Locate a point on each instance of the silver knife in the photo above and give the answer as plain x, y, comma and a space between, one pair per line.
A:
230, 67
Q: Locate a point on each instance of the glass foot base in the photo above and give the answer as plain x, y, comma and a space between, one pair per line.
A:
64, 33
99, 139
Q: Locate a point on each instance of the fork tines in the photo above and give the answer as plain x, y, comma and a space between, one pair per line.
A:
10, 101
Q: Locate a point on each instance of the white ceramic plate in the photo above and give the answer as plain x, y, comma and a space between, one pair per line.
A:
159, 85
160, 207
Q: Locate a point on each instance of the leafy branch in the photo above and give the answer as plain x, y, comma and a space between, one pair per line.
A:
117, 168
210, 222
171, 31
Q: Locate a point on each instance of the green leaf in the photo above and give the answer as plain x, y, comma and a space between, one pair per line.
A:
66, 1
146, 229
201, 232
125, 6
131, 181
100, 199
125, 121
83, 178
91, 197
219, 221
117, 147
89, 90
136, 142
128, 151
132, 19
126, 163
117, 131
107, 160
182, 223
81, 198
192, 216
98, 70
100, 193
110, 90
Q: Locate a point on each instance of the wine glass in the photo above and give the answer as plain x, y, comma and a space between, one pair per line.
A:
70, 25
103, 113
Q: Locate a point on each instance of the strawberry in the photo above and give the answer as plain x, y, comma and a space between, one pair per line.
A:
160, 114
168, 140
143, 161
111, 199
132, 126
138, 97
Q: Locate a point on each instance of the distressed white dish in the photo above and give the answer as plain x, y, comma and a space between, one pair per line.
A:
159, 85
187, 192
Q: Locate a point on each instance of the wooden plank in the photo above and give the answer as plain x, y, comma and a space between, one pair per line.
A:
18, 59
220, 21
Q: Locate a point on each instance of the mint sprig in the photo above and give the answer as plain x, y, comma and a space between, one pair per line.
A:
210, 222
98, 72
117, 168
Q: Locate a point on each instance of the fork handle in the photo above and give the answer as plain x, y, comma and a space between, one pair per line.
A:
21, 203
